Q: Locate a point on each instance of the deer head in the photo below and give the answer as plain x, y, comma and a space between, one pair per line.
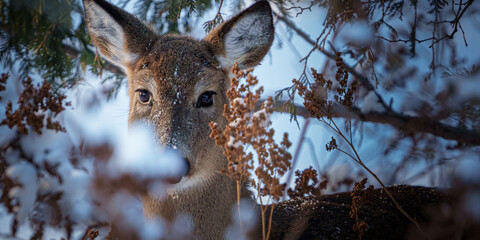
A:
178, 85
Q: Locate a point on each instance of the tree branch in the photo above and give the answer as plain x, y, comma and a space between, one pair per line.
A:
363, 80
455, 25
397, 120
421, 125
400, 121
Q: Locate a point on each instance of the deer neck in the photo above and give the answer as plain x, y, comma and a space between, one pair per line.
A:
208, 203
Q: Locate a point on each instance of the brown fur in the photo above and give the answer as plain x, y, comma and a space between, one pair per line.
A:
176, 66
176, 70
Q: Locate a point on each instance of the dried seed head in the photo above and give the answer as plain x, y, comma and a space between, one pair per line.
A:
37, 108
248, 127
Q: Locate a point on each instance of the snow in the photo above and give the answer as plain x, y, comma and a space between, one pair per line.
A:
235, 122
129, 217
152, 229
139, 154
264, 117
465, 88
182, 228
336, 174
76, 198
468, 169
25, 174
239, 102
233, 143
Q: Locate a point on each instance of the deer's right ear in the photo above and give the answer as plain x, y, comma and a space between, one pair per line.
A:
245, 38
121, 37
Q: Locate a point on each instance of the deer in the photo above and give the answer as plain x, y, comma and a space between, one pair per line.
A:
179, 84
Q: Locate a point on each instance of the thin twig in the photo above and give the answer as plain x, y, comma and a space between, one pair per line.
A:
302, 9
398, 120
297, 152
362, 79
455, 22
270, 220
360, 162
238, 204
212, 22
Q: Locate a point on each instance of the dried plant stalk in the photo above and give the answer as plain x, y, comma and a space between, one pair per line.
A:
246, 129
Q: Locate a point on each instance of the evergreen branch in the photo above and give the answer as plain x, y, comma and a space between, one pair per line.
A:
217, 19
73, 52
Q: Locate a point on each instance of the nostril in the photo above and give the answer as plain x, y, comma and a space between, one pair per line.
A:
178, 178
188, 166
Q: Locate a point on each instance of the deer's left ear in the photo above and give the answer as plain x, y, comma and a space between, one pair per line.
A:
245, 38
120, 36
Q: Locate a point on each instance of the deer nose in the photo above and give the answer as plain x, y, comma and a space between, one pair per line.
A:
185, 162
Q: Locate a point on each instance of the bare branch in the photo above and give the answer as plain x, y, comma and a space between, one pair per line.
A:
455, 25
398, 120
363, 80
302, 9
422, 125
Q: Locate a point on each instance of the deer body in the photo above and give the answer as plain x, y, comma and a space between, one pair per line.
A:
178, 84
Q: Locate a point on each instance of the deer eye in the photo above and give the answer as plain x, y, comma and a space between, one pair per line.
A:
205, 100
144, 96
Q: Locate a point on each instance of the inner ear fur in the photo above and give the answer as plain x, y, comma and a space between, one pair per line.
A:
120, 36
246, 38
